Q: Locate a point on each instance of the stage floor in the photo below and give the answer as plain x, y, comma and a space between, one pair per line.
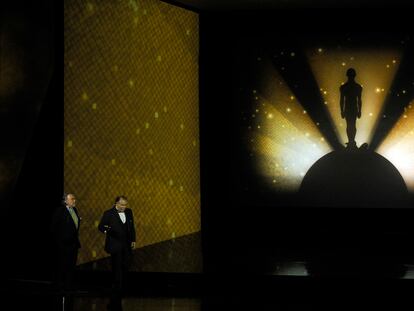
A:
291, 287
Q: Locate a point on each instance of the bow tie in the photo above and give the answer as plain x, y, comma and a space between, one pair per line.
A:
120, 212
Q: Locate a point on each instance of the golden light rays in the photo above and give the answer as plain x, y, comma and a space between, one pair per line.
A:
281, 133
398, 146
375, 72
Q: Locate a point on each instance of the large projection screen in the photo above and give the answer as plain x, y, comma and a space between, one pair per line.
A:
131, 125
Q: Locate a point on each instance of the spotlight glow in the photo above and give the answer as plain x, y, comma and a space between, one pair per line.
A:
288, 142
398, 146
373, 74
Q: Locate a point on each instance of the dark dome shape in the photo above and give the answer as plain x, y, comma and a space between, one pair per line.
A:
353, 178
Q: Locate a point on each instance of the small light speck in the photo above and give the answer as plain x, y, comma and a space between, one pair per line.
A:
90, 7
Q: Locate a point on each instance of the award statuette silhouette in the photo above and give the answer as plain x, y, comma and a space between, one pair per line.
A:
351, 105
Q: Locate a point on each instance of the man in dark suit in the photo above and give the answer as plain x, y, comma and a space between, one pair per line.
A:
118, 225
65, 230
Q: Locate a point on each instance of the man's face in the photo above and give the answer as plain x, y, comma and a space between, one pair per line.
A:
71, 200
122, 205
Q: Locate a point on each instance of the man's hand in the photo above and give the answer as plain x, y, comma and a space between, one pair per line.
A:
132, 245
107, 228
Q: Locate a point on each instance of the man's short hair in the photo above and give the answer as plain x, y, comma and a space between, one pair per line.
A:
119, 198
65, 196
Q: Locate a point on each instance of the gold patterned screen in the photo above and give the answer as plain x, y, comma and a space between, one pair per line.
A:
131, 117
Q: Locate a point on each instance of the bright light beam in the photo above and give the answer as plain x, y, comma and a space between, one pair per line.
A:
375, 72
282, 133
398, 146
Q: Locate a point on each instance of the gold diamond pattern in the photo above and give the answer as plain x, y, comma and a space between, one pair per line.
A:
131, 117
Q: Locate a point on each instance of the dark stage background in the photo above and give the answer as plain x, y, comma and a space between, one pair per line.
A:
32, 120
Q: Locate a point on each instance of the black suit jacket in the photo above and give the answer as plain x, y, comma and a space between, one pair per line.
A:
64, 230
117, 238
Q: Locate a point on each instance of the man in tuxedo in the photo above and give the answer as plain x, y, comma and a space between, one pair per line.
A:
118, 225
65, 231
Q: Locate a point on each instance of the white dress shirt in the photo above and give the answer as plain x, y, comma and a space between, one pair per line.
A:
122, 216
